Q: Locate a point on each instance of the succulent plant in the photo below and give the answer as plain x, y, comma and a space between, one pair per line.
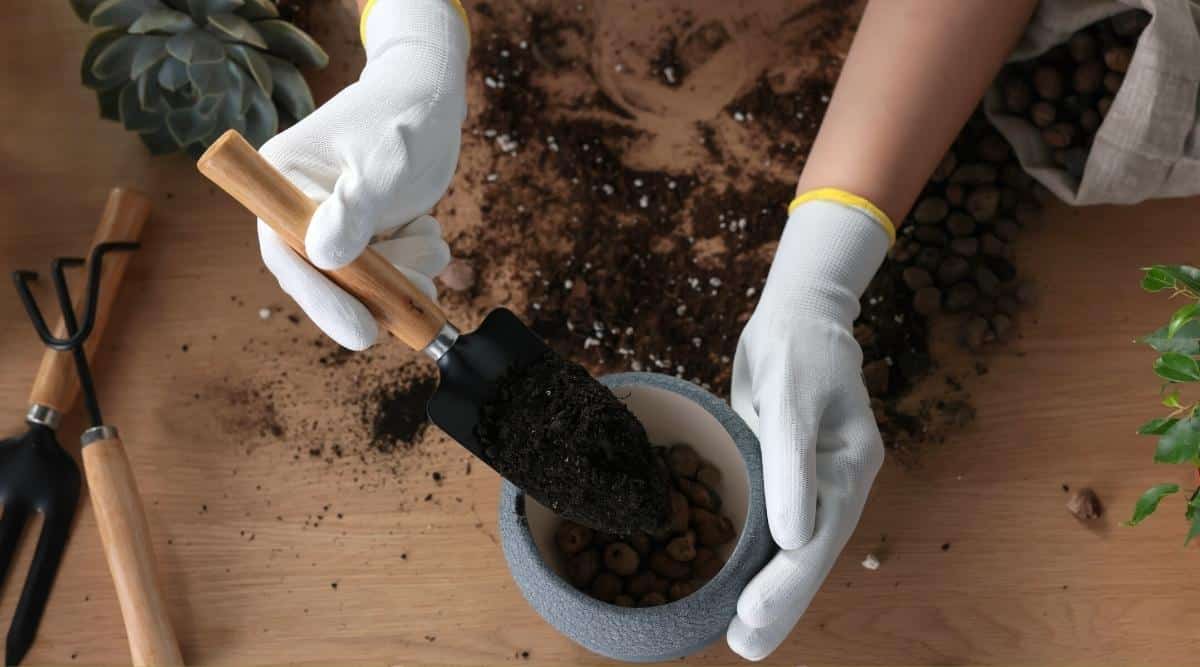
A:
181, 72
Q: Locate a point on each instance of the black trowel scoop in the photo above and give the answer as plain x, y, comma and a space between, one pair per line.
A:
617, 491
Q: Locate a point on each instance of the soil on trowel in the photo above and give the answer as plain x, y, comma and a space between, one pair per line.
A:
568, 442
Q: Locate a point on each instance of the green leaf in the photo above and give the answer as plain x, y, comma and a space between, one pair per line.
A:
84, 8
115, 61
1171, 276
1185, 341
209, 78
1156, 280
202, 8
99, 43
121, 13
1157, 426
162, 20
149, 92
196, 46
1181, 442
150, 50
160, 141
286, 40
189, 125
1146, 505
291, 90
133, 116
1195, 529
173, 76
262, 119
237, 29
110, 104
254, 63
259, 9
1171, 400
1185, 314
1175, 367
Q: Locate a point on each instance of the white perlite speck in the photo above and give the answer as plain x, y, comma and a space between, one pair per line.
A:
264, 313
871, 562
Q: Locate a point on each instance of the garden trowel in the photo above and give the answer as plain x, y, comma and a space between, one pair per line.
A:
470, 364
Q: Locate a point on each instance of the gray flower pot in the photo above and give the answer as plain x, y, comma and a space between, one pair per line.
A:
673, 411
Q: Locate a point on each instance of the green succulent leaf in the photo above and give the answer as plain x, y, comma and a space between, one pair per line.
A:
254, 63
1180, 443
231, 115
1175, 367
234, 28
115, 60
1185, 341
291, 90
1171, 276
240, 82
173, 76
262, 119
209, 78
207, 106
1185, 314
162, 20
190, 125
110, 104
98, 43
201, 9
151, 49
149, 92
133, 116
288, 41
196, 47
1157, 426
160, 141
256, 10
1146, 505
84, 8
121, 13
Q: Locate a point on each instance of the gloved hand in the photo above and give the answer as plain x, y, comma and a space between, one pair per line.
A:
797, 381
377, 156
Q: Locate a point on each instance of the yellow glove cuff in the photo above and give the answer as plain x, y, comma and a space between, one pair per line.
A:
362, 22
848, 199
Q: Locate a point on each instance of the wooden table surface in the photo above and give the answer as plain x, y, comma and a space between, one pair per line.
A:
251, 580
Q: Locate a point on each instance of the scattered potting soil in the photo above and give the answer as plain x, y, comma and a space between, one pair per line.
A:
568, 442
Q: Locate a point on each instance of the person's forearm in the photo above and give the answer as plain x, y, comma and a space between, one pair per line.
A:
914, 73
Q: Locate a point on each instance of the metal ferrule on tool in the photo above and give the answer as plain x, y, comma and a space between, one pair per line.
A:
445, 339
43, 415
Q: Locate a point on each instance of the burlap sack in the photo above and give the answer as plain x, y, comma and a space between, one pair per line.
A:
1149, 144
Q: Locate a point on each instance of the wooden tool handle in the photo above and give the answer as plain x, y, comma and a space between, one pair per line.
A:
127, 547
125, 213
239, 170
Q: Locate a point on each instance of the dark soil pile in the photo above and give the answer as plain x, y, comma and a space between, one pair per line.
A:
566, 440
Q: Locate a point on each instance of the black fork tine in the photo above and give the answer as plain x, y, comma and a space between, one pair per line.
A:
12, 523
56, 525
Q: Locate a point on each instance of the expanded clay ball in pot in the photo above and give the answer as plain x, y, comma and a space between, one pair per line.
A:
655, 569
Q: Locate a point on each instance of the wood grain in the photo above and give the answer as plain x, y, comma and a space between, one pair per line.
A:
56, 384
400, 307
121, 521
249, 574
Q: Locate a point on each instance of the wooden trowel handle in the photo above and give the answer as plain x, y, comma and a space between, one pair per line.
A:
400, 307
56, 385
125, 535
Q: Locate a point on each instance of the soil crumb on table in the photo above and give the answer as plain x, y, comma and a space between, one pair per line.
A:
566, 440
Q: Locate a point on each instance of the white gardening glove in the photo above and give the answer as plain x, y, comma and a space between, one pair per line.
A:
797, 381
377, 156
